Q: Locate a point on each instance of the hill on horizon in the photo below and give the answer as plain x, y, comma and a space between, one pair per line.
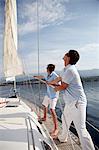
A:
83, 74
89, 73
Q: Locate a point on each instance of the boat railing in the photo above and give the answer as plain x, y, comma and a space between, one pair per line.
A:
92, 126
14, 91
45, 145
9, 92
28, 124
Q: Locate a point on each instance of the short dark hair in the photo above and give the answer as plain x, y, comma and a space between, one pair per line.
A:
51, 67
74, 56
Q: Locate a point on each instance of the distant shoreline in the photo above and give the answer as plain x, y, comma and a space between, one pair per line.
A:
35, 81
90, 78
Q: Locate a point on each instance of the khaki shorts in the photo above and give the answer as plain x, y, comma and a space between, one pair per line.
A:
47, 101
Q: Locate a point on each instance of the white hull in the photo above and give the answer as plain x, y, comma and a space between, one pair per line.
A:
20, 129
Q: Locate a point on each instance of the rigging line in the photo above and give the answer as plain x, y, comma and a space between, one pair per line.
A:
30, 84
38, 48
92, 126
89, 125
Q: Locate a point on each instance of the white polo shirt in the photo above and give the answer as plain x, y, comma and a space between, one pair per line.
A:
75, 91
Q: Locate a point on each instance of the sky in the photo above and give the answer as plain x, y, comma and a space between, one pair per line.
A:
61, 25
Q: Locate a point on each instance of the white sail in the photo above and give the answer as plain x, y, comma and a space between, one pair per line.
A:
12, 63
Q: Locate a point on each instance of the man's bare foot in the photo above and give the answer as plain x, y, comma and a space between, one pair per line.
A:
2, 102
42, 119
3, 105
55, 137
54, 133
32, 109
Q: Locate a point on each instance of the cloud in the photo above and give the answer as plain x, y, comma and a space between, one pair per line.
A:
93, 47
89, 56
50, 13
45, 58
89, 59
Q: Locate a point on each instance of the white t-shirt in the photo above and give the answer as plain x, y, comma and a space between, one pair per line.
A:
75, 91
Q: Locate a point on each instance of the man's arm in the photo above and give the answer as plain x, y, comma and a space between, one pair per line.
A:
39, 77
61, 87
55, 81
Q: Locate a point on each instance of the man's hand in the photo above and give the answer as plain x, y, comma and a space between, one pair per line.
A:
55, 89
38, 77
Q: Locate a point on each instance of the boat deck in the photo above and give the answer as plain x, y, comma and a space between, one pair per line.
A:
71, 144
73, 141
11, 135
17, 130
20, 130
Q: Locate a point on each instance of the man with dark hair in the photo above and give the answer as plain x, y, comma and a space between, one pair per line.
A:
51, 67
75, 101
74, 56
50, 98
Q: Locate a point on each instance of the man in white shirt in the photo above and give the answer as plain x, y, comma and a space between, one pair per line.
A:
75, 101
